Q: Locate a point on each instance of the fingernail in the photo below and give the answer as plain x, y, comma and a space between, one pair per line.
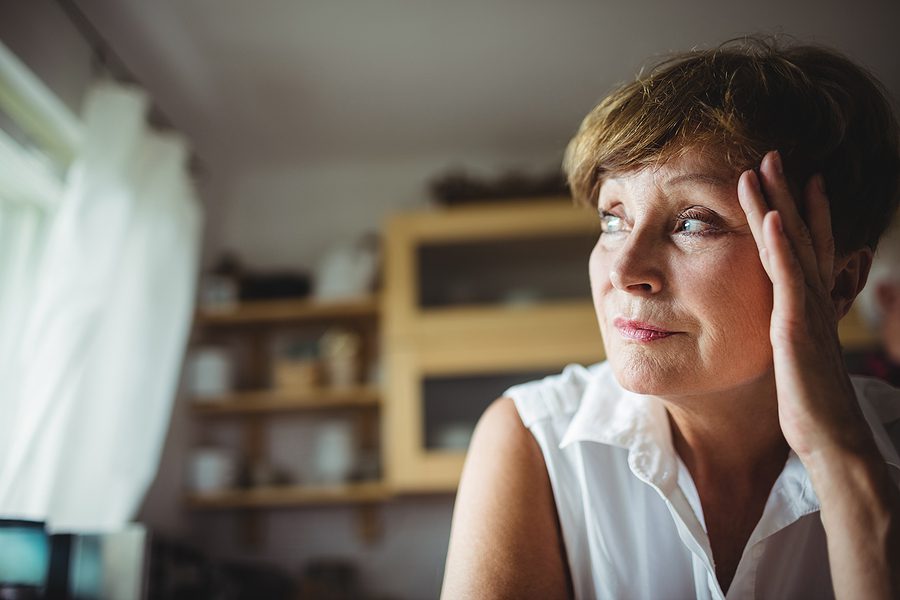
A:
776, 160
753, 180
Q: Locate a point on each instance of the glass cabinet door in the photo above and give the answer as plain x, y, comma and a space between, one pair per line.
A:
476, 300
507, 272
452, 405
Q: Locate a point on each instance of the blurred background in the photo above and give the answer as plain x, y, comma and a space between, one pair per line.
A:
265, 263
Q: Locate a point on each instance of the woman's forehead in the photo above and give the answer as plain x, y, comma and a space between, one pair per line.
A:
705, 166
688, 168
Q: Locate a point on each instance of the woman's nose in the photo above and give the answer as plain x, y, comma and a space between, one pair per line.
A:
637, 267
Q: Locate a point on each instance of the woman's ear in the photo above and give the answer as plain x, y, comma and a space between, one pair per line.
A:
850, 274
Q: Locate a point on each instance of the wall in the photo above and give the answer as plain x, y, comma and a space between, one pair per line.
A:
289, 215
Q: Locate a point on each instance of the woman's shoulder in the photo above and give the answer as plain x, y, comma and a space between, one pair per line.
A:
505, 540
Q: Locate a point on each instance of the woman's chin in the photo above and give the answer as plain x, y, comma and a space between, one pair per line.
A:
641, 386
648, 373
640, 379
670, 374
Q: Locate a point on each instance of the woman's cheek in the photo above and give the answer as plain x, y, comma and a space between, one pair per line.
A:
598, 268
599, 265
737, 290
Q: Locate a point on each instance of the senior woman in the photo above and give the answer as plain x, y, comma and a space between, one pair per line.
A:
722, 449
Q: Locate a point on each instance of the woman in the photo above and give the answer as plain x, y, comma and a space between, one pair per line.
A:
722, 448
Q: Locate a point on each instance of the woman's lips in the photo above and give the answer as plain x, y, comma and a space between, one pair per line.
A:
640, 331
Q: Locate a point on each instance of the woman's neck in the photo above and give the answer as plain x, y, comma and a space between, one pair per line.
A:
732, 445
731, 437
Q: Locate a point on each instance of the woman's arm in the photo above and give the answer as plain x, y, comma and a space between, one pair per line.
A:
861, 515
505, 540
817, 406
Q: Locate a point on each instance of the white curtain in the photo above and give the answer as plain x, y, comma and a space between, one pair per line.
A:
90, 360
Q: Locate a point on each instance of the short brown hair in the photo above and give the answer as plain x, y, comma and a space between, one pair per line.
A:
824, 113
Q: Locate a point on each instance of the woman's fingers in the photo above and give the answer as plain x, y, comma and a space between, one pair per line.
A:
784, 269
754, 204
818, 221
779, 197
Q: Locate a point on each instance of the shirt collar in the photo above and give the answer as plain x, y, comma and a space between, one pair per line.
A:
609, 414
791, 497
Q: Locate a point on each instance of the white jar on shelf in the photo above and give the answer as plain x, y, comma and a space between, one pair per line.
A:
212, 468
335, 452
209, 372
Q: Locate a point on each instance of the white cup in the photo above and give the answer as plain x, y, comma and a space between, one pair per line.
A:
209, 372
211, 469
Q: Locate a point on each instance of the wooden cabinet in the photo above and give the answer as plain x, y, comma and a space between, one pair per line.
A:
477, 299
250, 331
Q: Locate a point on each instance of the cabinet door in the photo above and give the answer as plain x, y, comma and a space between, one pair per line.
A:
507, 272
437, 392
482, 258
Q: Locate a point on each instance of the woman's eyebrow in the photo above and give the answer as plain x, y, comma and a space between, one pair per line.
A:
704, 178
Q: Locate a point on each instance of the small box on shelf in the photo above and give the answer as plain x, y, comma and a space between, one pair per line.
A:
296, 374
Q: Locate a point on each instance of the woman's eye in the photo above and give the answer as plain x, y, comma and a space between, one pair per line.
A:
694, 226
692, 223
610, 223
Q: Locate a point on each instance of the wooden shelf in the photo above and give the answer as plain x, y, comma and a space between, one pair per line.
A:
452, 321
295, 495
275, 311
270, 401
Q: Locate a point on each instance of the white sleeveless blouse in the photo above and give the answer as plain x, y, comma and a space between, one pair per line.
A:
631, 518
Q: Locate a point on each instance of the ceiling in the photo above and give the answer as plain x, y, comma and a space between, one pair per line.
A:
267, 81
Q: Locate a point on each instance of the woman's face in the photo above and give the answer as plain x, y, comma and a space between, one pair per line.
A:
682, 299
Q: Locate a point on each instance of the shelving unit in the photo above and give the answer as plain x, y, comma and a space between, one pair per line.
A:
256, 405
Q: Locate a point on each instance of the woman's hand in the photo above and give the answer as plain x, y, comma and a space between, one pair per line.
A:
817, 407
